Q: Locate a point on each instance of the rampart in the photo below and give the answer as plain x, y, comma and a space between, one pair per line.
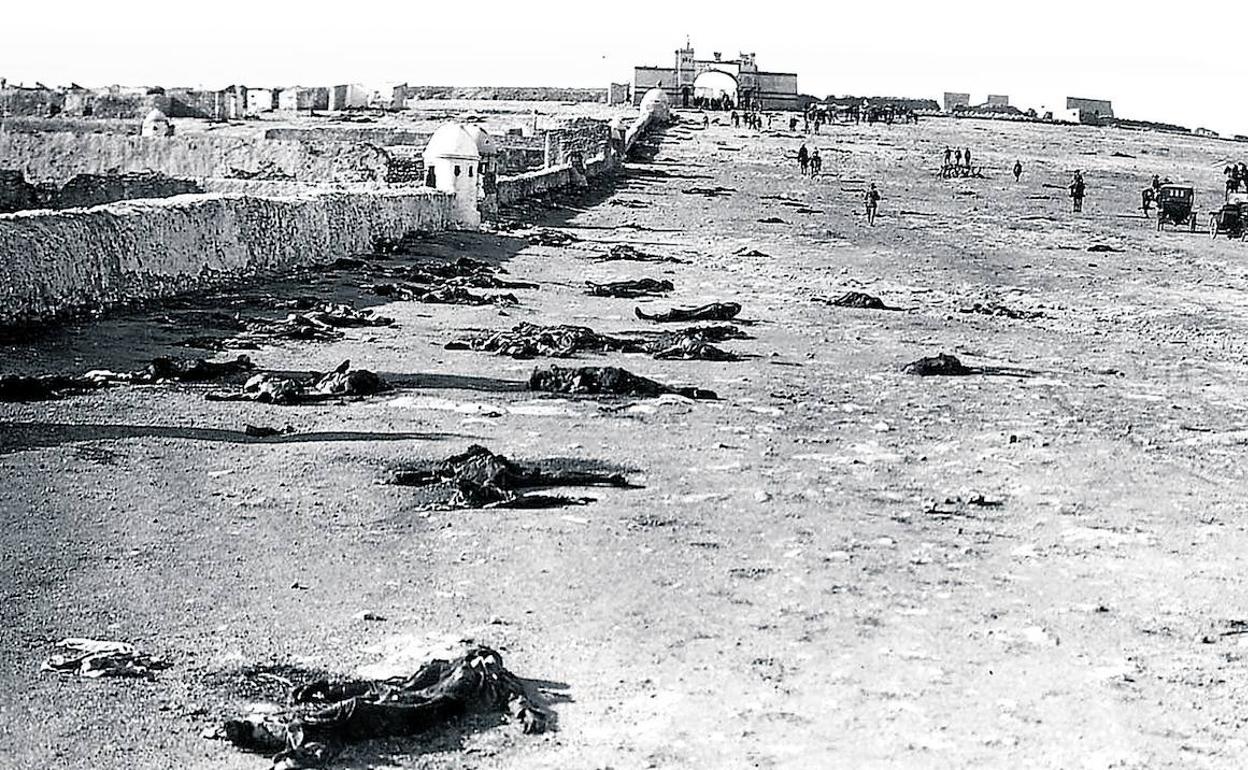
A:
62, 155
59, 262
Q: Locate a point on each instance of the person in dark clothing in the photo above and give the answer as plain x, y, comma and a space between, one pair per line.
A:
958, 158
1078, 189
803, 159
816, 163
872, 200
1018, 170
967, 155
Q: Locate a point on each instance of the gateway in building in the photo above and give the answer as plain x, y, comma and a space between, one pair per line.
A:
718, 82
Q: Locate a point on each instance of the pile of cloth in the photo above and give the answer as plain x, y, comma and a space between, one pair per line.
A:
527, 340
624, 252
640, 287
96, 658
324, 716
437, 295
160, 370
479, 478
606, 380
342, 382
715, 311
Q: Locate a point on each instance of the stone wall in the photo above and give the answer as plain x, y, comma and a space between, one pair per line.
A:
383, 137
54, 263
505, 93
60, 156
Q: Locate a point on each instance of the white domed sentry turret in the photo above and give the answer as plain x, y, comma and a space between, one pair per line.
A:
487, 170
156, 124
657, 105
452, 163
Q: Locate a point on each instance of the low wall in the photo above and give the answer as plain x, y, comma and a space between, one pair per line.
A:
535, 183
62, 155
54, 263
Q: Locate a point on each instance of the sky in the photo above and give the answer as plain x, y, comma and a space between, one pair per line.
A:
1156, 61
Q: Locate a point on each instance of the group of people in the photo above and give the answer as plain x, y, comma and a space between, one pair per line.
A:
1236, 178
957, 163
809, 163
752, 120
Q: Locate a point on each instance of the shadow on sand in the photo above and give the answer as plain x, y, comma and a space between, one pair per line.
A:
19, 436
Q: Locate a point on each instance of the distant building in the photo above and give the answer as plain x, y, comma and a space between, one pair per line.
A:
953, 101
259, 100
298, 98
347, 97
1206, 132
1090, 110
617, 93
728, 82
998, 100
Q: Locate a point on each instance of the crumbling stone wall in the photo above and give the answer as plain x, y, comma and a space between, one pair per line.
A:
53, 263
60, 156
16, 194
382, 137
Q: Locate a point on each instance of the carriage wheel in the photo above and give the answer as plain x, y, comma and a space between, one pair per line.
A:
1213, 226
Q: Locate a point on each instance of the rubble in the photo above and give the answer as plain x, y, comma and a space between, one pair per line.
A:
528, 340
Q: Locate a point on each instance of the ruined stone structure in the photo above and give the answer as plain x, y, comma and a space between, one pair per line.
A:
736, 82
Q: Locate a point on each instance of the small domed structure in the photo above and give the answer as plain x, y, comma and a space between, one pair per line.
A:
657, 104
453, 164
485, 143
156, 124
452, 140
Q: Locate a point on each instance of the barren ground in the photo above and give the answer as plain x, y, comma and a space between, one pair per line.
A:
790, 588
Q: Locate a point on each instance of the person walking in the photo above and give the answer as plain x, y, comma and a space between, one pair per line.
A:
872, 199
816, 163
1078, 189
1018, 170
803, 159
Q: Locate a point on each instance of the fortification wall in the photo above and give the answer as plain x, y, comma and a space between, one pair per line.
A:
60, 156
53, 263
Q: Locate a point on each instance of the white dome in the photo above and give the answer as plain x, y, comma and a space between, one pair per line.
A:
452, 140
485, 143
655, 96
156, 116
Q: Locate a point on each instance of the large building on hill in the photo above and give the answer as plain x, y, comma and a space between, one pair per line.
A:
1090, 110
736, 83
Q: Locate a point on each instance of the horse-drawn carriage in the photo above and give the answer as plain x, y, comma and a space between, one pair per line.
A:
1176, 206
1232, 219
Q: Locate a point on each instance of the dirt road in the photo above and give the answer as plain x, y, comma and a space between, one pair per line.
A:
835, 565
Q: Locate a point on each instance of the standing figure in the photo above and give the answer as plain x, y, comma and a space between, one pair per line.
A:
967, 155
958, 157
803, 159
1018, 170
816, 163
872, 199
1077, 191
